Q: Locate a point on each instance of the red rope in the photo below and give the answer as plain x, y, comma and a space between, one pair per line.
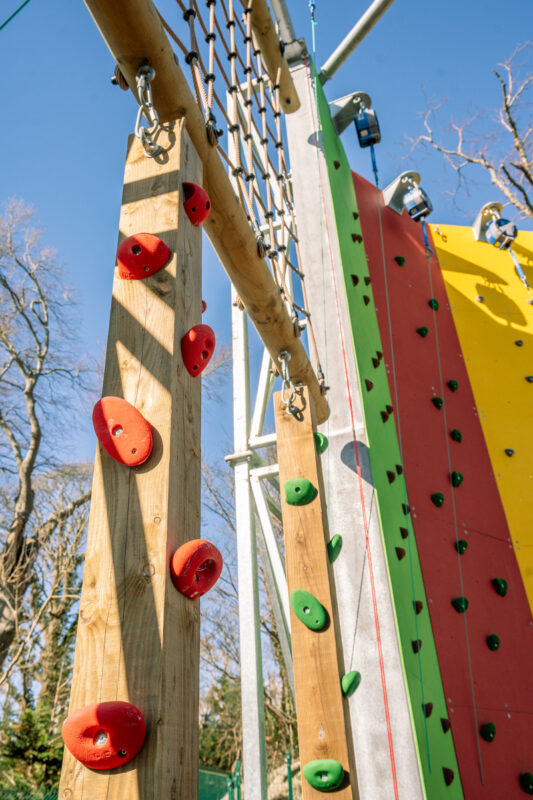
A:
359, 477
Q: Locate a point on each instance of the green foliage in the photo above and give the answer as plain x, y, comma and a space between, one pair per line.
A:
31, 751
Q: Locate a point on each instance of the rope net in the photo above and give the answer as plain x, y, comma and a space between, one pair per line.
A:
243, 119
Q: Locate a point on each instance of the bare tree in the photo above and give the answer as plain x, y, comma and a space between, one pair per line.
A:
500, 147
38, 370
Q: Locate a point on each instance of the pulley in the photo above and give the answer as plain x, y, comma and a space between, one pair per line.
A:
501, 233
417, 203
367, 127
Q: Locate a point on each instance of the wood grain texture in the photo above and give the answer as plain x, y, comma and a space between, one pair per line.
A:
320, 707
138, 638
133, 32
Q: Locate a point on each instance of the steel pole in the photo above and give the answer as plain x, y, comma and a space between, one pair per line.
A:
354, 38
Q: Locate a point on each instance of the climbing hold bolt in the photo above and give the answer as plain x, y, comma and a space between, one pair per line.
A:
197, 347
456, 478
366, 299
369, 385
197, 204
399, 469
418, 606
449, 775
355, 279
488, 731
500, 584
460, 604
308, 609
350, 682
324, 774
493, 641
400, 260
141, 255
334, 547
519, 342
299, 492
391, 476
406, 509
195, 567
427, 708
384, 416
104, 735
434, 304
509, 452
453, 385
416, 645
400, 552
375, 363
368, 280
389, 409
404, 533
438, 402
321, 442
461, 546
122, 431
456, 435
422, 331
437, 498
529, 378
446, 724
526, 782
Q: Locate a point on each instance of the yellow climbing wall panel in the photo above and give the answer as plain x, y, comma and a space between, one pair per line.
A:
492, 316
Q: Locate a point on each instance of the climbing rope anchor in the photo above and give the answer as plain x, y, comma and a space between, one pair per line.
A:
288, 387
144, 77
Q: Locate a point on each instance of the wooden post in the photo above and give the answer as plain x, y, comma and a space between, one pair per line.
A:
138, 638
133, 32
323, 722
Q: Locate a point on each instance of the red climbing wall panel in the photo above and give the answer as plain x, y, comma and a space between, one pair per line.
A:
502, 680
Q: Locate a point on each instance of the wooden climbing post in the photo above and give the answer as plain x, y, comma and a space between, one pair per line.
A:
321, 710
138, 638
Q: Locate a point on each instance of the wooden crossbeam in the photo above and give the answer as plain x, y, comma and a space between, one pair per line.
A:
321, 710
138, 638
134, 33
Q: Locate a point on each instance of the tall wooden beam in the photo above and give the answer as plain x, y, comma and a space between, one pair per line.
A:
138, 638
134, 33
323, 722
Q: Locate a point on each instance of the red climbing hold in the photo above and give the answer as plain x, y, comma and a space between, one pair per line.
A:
104, 735
197, 347
197, 204
204, 306
141, 255
122, 431
195, 567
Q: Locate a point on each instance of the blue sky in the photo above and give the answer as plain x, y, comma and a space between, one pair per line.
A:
64, 126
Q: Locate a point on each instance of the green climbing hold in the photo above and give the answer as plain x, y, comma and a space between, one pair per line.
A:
400, 260
460, 604
438, 402
324, 774
500, 584
321, 442
334, 547
493, 641
437, 498
422, 331
350, 682
526, 782
453, 385
434, 304
456, 478
456, 435
308, 609
299, 491
461, 546
488, 731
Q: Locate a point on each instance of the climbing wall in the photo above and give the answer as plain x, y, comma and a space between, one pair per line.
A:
437, 759
494, 322
475, 603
